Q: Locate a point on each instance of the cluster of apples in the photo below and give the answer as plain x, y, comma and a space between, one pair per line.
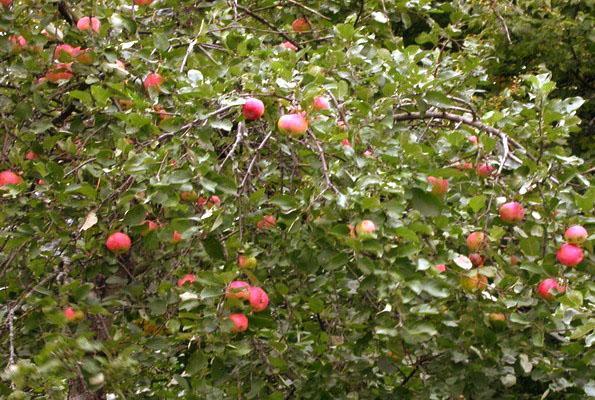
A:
254, 295
569, 254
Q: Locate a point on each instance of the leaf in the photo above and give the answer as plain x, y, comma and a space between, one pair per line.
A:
425, 203
463, 262
90, 220
477, 202
530, 246
214, 247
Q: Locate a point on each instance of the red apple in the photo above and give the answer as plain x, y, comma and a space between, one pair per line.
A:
259, 300
345, 143
549, 288
476, 259
576, 234
118, 242
89, 23
238, 290
293, 124
6, 3
289, 46
267, 222
17, 42
246, 262
463, 165
215, 201
66, 52
59, 72
512, 212
31, 155
253, 109
570, 255
153, 80
476, 240
439, 185
142, 2
484, 170
201, 201
70, 313
365, 229
473, 139
176, 237
321, 103
440, 268
300, 25
9, 178
188, 278
240, 322
150, 226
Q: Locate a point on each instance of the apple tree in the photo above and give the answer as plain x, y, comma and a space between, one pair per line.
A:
286, 199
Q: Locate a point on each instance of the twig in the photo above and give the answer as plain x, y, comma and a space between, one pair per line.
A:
270, 25
323, 162
504, 153
192, 123
239, 136
10, 318
251, 165
206, 53
360, 12
90, 160
188, 51
502, 21
313, 11
339, 109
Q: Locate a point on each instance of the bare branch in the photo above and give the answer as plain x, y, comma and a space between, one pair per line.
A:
313, 11
239, 136
270, 25
251, 165
323, 162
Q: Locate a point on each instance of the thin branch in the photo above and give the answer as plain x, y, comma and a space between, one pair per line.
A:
239, 136
502, 21
313, 11
270, 25
251, 165
360, 12
90, 160
323, 162
10, 318
188, 51
338, 107
189, 125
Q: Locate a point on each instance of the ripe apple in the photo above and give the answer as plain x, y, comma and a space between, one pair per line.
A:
289, 46
548, 288
439, 185
153, 80
176, 237
238, 290
440, 268
59, 72
576, 234
31, 155
89, 23
73, 315
365, 229
201, 201
474, 282
9, 178
321, 103
345, 143
17, 42
259, 300
267, 222
253, 109
570, 255
476, 259
6, 3
463, 165
215, 201
300, 25
473, 139
484, 170
142, 2
188, 278
240, 322
150, 226
118, 242
293, 124
368, 153
476, 240
511, 212
246, 262
66, 52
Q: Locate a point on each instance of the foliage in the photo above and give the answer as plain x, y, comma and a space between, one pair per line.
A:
409, 82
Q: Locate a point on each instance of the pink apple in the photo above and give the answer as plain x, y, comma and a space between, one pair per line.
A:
576, 234
259, 300
9, 178
89, 23
473, 139
293, 124
476, 240
17, 41
215, 201
118, 242
548, 288
289, 46
300, 25
440, 268
31, 155
238, 290
439, 185
267, 222
253, 109
176, 237
512, 212
345, 143
570, 255
66, 49
240, 322
153, 80
142, 2
476, 259
365, 229
484, 170
188, 278
321, 103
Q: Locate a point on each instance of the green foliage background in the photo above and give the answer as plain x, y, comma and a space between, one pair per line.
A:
349, 318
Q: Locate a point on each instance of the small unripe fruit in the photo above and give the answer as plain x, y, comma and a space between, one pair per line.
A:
153, 80
188, 196
321, 103
289, 46
365, 229
473, 139
267, 222
576, 234
497, 317
440, 268
476, 259
253, 109
439, 185
570, 255
118, 242
293, 124
9, 178
240, 322
238, 290
484, 170
151, 226
514, 260
246, 262
548, 288
89, 23
188, 278
300, 25
259, 300
474, 282
476, 241
511, 212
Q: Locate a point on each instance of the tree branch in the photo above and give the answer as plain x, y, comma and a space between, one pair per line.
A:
267, 23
